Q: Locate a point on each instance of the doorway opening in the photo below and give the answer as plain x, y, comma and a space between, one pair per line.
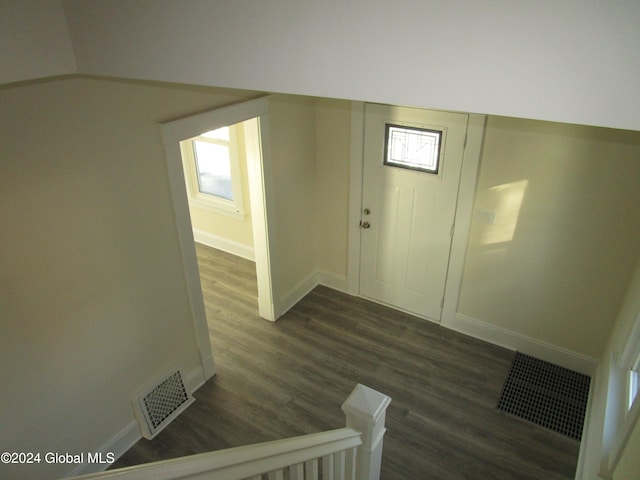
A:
218, 191
252, 116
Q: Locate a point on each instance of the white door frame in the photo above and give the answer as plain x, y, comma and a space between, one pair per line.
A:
463, 215
259, 165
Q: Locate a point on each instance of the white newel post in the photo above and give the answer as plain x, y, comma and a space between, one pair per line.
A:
365, 411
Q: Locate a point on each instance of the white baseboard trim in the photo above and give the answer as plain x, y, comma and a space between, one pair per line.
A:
319, 277
196, 378
113, 449
127, 437
226, 245
530, 346
297, 293
333, 280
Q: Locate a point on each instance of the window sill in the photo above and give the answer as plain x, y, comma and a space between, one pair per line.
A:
219, 208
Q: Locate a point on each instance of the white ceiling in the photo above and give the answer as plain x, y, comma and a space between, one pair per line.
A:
573, 61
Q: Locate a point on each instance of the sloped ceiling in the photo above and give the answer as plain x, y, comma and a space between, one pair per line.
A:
573, 61
34, 41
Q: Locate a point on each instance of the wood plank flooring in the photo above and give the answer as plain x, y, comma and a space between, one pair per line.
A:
288, 378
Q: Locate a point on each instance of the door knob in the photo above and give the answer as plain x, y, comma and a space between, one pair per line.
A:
365, 225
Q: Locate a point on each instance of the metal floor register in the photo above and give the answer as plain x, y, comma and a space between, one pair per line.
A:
546, 394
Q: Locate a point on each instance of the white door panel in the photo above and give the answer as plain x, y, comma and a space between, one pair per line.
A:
405, 250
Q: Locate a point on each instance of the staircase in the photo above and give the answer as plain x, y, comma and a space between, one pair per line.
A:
350, 453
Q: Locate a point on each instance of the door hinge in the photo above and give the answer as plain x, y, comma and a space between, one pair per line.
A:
466, 135
453, 228
442, 303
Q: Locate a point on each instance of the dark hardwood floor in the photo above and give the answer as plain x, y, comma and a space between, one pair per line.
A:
289, 378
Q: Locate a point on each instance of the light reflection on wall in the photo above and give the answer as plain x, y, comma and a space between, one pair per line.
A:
505, 200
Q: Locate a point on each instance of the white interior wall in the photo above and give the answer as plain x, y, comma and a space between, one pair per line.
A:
570, 61
94, 300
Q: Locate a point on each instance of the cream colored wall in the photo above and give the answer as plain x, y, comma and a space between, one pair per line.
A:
292, 140
235, 229
333, 137
629, 466
94, 300
557, 262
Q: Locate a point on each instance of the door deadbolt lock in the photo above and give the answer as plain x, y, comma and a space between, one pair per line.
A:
365, 225
366, 211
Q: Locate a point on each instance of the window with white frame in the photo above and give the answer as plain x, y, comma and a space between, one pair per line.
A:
212, 170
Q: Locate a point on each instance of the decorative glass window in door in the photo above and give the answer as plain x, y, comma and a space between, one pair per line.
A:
413, 148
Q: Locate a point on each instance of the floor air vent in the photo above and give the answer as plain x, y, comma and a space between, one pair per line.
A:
160, 404
546, 394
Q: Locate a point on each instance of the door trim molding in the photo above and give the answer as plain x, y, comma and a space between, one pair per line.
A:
355, 197
173, 132
463, 215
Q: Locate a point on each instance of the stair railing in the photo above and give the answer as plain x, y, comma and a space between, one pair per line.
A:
350, 453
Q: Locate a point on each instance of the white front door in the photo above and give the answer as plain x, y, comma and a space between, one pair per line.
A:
412, 163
